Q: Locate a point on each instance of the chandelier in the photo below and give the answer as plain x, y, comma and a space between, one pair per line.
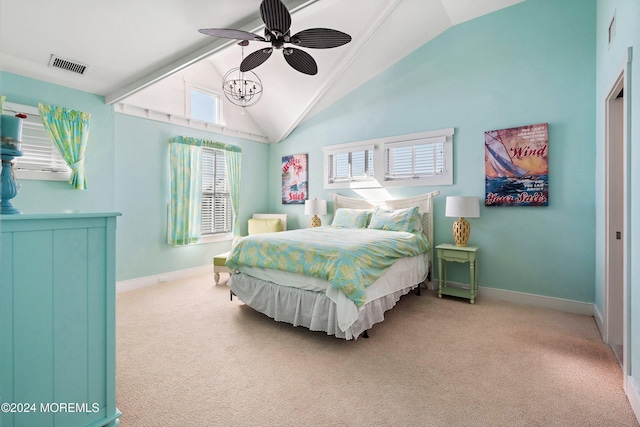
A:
243, 89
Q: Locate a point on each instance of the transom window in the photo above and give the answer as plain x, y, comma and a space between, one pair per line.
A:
415, 159
424, 158
205, 105
351, 166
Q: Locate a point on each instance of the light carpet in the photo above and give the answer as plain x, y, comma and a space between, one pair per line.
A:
187, 356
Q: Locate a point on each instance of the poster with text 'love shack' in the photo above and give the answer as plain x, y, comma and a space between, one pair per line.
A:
517, 166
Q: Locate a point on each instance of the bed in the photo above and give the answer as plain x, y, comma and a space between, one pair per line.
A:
386, 254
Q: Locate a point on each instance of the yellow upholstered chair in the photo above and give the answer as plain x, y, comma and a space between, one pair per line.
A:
260, 223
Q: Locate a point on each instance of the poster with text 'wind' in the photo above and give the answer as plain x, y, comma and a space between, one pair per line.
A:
516, 166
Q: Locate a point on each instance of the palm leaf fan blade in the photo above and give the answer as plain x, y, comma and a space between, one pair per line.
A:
301, 61
255, 59
320, 38
275, 16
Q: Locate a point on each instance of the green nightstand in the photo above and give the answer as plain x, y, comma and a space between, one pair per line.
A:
448, 252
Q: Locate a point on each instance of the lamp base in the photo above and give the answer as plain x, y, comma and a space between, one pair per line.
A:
315, 221
461, 231
9, 188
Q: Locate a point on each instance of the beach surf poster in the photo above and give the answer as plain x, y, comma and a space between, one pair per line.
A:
294, 179
517, 166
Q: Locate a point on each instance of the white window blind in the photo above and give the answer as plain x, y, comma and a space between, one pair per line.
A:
40, 158
217, 212
415, 159
348, 166
418, 159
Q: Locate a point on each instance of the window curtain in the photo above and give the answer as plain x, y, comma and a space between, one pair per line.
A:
69, 130
186, 186
185, 156
2, 98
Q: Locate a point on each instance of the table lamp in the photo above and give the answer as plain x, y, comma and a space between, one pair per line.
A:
461, 207
315, 207
10, 140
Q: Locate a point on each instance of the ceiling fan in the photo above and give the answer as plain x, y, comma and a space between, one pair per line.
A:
277, 21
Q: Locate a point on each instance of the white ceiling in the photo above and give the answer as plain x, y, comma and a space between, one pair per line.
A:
131, 45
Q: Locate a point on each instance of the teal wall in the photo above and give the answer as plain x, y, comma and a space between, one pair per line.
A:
143, 189
127, 171
538, 61
611, 61
530, 63
100, 153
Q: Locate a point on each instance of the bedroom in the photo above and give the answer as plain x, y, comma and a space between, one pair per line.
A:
534, 62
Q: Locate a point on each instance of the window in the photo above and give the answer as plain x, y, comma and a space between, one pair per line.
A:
217, 212
40, 158
424, 158
414, 159
205, 105
419, 159
348, 165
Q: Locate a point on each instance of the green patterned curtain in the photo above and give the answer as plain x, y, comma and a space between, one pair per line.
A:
233, 162
69, 130
185, 155
2, 98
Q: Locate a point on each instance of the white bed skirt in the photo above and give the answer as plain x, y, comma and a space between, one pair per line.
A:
313, 310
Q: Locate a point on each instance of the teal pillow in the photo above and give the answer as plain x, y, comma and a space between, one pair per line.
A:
351, 218
394, 220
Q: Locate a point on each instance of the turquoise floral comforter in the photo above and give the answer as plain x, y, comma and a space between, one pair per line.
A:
349, 258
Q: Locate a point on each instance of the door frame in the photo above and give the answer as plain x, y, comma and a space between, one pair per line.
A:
619, 84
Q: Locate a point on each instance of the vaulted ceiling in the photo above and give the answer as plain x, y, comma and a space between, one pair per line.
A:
131, 48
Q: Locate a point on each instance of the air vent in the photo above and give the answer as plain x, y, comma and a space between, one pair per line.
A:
67, 64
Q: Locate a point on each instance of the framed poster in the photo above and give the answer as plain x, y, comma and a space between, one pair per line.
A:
295, 183
517, 166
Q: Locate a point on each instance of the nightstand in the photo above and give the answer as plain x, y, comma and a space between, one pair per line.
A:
448, 252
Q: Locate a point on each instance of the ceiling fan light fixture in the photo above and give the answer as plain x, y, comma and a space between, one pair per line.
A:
242, 88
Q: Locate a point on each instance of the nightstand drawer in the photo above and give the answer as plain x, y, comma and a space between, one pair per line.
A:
450, 255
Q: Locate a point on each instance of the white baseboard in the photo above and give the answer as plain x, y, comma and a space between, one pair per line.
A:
141, 282
599, 321
568, 306
559, 304
633, 394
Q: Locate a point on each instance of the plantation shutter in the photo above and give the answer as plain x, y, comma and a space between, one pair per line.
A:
351, 165
39, 153
217, 214
415, 159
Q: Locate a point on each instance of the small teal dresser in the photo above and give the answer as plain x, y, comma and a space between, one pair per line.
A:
57, 320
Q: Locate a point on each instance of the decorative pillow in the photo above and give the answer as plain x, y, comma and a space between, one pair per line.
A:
424, 205
259, 226
394, 220
351, 218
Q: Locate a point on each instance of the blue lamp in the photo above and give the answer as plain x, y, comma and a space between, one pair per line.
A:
10, 137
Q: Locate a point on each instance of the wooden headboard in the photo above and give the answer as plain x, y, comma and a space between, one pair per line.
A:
425, 207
